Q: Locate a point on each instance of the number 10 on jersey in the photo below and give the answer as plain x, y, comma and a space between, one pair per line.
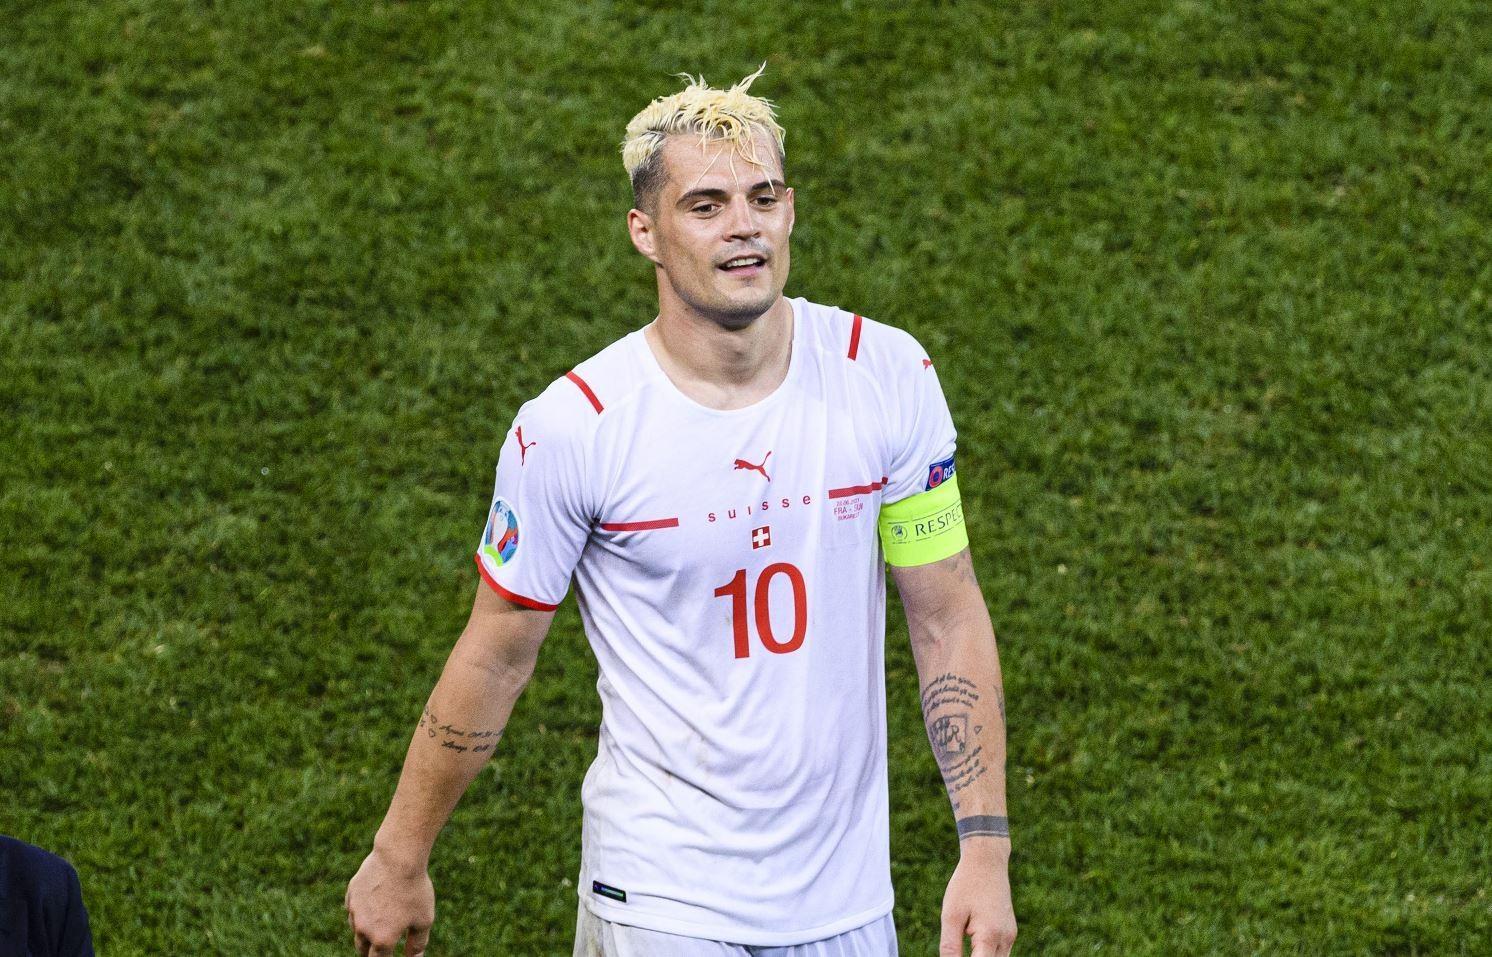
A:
735, 590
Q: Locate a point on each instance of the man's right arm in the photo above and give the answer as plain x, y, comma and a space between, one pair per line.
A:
391, 894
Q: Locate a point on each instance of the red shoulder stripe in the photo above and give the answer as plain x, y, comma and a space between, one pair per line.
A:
511, 596
855, 337
849, 490
584, 387
640, 526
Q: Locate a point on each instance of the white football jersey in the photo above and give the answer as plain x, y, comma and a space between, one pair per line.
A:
729, 576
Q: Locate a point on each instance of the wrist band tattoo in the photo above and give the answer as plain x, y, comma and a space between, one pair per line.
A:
984, 825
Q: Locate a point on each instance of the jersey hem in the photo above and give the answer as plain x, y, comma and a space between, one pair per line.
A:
511, 596
731, 933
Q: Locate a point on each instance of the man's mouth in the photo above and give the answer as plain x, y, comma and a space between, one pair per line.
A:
744, 265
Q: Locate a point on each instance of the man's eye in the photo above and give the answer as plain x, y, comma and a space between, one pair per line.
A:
703, 208
769, 200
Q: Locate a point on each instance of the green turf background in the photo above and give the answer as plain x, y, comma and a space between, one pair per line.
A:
1208, 286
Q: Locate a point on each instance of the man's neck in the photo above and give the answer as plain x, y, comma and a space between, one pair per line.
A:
719, 367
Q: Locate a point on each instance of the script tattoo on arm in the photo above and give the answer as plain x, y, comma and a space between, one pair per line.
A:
947, 703
457, 739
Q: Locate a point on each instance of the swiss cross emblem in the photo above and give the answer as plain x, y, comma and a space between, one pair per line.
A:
761, 537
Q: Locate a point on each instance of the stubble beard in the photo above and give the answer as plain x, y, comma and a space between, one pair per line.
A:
738, 315
733, 314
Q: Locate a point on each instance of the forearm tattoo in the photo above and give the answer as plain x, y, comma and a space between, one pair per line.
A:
947, 706
983, 825
456, 739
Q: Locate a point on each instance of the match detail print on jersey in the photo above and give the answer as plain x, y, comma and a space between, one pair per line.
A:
925, 528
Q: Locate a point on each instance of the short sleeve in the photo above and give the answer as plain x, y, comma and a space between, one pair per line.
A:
923, 438
538, 522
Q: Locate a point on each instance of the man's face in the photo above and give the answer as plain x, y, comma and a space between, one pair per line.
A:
715, 208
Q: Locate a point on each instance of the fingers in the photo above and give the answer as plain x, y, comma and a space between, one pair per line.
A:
951, 941
359, 941
414, 945
418, 938
367, 947
993, 943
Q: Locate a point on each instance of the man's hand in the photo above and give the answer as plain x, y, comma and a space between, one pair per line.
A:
385, 902
977, 903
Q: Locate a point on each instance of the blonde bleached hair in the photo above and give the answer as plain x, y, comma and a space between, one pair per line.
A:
728, 116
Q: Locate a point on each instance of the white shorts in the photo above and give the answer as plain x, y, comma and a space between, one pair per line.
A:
596, 937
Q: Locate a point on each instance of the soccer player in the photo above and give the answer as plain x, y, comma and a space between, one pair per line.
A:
725, 486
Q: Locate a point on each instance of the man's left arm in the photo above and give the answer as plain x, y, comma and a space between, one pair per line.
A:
963, 705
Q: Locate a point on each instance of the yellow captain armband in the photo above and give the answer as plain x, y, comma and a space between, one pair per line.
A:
925, 527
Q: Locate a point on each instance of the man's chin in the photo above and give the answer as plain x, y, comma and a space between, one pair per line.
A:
740, 315
740, 311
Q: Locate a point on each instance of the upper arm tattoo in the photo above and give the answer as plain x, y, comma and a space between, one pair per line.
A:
962, 563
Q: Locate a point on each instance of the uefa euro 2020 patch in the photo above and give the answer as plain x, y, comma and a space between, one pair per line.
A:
500, 540
938, 473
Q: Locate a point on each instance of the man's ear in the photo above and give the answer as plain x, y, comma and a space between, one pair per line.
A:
792, 209
644, 238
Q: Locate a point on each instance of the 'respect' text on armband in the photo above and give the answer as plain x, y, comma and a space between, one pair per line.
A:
926, 527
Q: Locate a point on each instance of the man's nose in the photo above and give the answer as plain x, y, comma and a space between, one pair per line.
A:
742, 218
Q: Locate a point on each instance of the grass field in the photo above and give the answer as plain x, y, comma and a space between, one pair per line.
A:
1208, 285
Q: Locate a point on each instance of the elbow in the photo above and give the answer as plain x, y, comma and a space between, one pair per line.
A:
513, 670
510, 663
929, 634
937, 628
